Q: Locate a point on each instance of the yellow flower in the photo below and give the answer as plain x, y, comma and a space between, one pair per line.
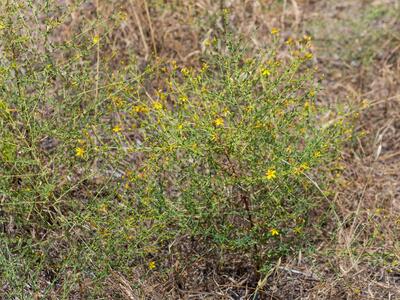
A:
117, 129
304, 166
226, 112
161, 95
364, 104
140, 109
274, 31
96, 39
103, 208
118, 102
174, 65
308, 56
270, 174
122, 16
183, 99
265, 72
157, 106
307, 38
185, 71
274, 232
152, 265
258, 124
300, 169
317, 154
79, 152
2, 26
289, 41
219, 122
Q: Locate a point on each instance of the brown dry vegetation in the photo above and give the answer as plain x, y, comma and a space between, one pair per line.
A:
356, 47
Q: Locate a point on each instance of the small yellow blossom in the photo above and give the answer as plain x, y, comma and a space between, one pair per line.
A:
249, 108
122, 16
364, 104
2, 26
174, 65
183, 99
308, 55
226, 112
274, 31
140, 109
103, 208
185, 71
117, 129
79, 152
118, 102
152, 265
304, 166
270, 174
274, 231
300, 169
317, 154
219, 122
357, 291
289, 41
295, 53
96, 40
258, 124
307, 38
157, 105
265, 72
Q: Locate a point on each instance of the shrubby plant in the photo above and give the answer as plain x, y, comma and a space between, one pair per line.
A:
53, 102
106, 167
233, 154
